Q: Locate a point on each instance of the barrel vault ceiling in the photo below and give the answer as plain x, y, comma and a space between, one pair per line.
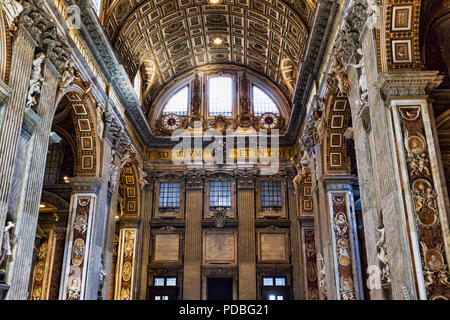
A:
179, 35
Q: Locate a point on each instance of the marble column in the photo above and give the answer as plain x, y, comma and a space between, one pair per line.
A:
368, 171
110, 225
31, 187
193, 239
246, 238
298, 285
146, 214
387, 199
77, 283
420, 178
12, 113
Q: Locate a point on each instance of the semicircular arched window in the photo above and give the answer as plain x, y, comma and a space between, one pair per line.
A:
178, 103
262, 103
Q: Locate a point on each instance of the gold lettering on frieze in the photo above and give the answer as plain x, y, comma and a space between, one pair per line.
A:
203, 154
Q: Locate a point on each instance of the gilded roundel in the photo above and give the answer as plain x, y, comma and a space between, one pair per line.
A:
126, 271
269, 120
40, 267
343, 248
312, 271
172, 122
78, 252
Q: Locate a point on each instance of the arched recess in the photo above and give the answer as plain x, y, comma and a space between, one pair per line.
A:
334, 144
5, 48
89, 144
129, 191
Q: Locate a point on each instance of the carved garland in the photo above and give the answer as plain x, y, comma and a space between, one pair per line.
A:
427, 220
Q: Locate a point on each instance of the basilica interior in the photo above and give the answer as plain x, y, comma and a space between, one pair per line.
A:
224, 149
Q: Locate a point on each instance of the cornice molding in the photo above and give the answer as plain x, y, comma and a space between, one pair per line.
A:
319, 38
407, 83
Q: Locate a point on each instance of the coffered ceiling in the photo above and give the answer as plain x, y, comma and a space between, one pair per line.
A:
180, 35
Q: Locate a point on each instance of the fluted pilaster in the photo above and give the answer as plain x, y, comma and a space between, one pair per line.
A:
246, 239
30, 194
12, 114
298, 285
193, 241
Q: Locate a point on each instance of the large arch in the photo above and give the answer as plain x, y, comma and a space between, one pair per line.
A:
89, 143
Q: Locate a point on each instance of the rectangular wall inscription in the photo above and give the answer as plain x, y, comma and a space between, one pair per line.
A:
167, 247
219, 247
273, 247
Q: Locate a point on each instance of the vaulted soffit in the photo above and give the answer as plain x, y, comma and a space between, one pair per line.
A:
180, 35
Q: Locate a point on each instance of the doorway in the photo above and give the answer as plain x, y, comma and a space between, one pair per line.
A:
220, 288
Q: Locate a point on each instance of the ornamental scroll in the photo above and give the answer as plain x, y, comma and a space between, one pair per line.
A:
343, 246
421, 182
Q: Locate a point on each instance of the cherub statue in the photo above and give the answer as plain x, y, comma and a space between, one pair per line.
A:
338, 74
69, 74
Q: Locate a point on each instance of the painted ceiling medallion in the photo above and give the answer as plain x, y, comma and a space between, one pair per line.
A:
269, 120
172, 122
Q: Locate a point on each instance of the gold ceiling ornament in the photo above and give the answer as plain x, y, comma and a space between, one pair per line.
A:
289, 72
150, 76
180, 38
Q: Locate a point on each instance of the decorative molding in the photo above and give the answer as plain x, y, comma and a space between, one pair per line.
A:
407, 83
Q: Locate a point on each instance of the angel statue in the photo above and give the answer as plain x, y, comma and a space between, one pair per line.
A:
5, 251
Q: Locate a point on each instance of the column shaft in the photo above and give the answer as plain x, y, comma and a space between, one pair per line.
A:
30, 194
12, 114
193, 244
246, 243
298, 284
